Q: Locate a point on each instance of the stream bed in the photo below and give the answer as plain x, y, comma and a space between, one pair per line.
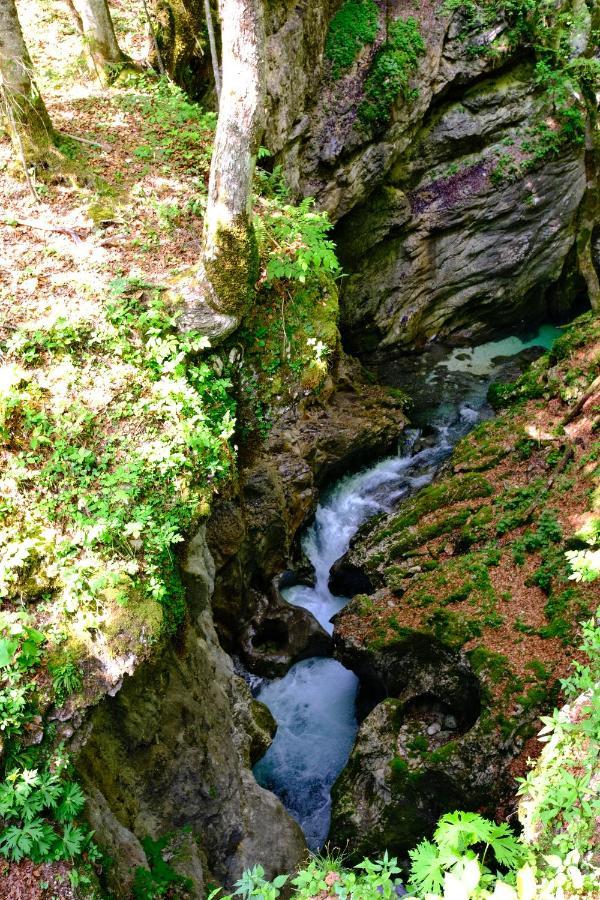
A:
314, 703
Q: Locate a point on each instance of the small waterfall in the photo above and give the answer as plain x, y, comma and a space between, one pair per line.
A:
314, 703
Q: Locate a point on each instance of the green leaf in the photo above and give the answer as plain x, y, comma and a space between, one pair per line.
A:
7, 651
426, 874
72, 840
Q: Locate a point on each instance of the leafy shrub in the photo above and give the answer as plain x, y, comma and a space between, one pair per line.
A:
561, 805
294, 241
394, 63
452, 859
353, 26
369, 880
39, 809
20, 653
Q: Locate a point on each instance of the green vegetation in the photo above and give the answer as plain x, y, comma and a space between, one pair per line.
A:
566, 83
389, 78
116, 431
39, 809
451, 859
434, 497
120, 499
353, 26
369, 880
290, 334
160, 879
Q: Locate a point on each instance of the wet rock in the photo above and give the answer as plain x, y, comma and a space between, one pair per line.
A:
280, 634
403, 773
346, 580
253, 534
172, 749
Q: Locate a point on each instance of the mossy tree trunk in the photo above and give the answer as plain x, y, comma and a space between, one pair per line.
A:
223, 287
94, 22
28, 121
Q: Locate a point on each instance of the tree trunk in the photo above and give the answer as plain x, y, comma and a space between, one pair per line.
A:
213, 48
93, 20
29, 124
217, 298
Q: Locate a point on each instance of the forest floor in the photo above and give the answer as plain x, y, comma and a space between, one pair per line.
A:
129, 205
483, 568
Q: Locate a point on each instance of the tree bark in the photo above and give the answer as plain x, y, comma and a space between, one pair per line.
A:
228, 270
213, 48
94, 22
28, 121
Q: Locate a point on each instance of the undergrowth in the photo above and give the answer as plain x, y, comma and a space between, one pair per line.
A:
352, 27
116, 431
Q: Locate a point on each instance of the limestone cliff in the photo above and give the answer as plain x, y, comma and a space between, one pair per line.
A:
473, 197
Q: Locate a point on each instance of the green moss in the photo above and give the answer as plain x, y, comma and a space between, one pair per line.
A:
563, 611
453, 629
362, 605
354, 25
493, 665
395, 61
235, 269
399, 768
528, 387
442, 754
417, 537
434, 497
419, 743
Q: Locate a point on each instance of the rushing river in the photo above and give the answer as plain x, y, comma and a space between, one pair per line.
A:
314, 703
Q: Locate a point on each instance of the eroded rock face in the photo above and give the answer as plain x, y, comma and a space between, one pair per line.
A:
427, 748
445, 225
172, 749
279, 635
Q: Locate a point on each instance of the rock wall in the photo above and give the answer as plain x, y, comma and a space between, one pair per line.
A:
449, 224
172, 749
446, 225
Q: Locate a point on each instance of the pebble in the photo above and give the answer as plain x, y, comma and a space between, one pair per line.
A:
434, 728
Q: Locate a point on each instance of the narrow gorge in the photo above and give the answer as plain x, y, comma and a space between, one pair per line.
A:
316, 581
